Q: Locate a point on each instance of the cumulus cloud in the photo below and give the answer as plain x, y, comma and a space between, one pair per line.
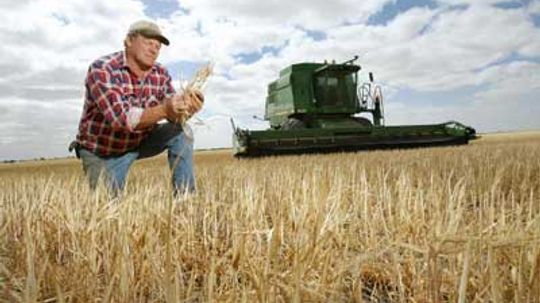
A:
313, 14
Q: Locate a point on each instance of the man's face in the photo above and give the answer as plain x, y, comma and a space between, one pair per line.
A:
144, 50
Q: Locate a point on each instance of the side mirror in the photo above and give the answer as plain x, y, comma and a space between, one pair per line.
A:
371, 77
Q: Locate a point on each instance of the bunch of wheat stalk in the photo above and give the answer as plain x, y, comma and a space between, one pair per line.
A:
192, 90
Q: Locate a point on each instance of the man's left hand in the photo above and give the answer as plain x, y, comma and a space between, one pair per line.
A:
194, 101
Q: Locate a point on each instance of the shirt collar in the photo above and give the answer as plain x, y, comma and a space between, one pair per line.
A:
123, 61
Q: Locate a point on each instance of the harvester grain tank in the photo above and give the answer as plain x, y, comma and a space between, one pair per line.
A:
317, 107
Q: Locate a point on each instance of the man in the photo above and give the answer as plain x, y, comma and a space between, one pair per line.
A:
127, 93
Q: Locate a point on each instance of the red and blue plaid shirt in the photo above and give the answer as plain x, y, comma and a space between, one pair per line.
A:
113, 95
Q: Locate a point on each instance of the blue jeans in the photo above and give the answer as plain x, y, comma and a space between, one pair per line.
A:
114, 169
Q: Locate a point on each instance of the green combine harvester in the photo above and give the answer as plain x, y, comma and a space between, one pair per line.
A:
316, 107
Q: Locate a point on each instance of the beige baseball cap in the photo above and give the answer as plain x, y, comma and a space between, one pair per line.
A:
149, 30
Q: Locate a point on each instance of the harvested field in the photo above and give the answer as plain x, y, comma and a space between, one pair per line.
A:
452, 224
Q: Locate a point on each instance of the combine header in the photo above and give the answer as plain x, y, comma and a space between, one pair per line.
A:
315, 107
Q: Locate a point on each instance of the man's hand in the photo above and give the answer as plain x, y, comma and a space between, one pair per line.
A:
176, 109
179, 108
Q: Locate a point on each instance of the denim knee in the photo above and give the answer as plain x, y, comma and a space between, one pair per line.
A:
181, 145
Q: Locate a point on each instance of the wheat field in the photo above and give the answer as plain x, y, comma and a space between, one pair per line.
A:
451, 224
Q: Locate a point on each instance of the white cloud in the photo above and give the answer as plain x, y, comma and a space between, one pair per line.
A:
509, 102
313, 14
456, 44
470, 2
534, 7
511, 83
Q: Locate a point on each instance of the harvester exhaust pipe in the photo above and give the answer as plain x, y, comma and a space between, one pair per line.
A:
327, 65
233, 126
351, 61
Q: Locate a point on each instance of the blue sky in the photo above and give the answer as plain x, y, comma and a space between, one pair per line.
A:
160, 8
475, 61
392, 9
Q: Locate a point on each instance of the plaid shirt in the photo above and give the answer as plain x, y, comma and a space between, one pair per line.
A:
114, 102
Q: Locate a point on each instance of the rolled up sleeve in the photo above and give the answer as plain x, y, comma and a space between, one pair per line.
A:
134, 117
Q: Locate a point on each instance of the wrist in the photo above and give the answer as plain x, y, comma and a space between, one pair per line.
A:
161, 111
151, 116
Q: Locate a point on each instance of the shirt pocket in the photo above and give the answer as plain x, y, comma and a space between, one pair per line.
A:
130, 95
153, 95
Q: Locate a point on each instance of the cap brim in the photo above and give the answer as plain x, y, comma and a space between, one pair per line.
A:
162, 39
154, 35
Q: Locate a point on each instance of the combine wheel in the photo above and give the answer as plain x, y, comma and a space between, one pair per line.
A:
293, 123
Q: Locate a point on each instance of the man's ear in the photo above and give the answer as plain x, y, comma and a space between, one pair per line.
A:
128, 41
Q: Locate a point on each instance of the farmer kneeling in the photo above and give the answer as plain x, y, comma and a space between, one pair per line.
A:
127, 93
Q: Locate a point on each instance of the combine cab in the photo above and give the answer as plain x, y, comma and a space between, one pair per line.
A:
315, 107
